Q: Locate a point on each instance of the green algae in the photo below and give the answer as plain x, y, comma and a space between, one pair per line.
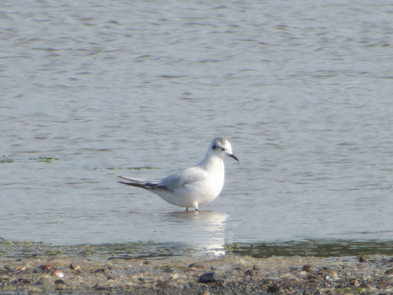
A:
44, 159
132, 250
348, 290
317, 248
6, 159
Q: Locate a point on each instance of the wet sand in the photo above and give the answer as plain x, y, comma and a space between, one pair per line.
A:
228, 274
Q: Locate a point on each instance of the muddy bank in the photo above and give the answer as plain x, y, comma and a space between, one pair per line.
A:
189, 275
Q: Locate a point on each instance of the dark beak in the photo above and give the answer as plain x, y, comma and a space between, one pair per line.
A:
233, 157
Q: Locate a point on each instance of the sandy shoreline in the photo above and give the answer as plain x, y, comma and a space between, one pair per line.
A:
189, 275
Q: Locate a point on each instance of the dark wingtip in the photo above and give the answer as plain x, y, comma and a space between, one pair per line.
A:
131, 184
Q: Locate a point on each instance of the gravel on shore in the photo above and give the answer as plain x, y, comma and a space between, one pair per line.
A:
189, 275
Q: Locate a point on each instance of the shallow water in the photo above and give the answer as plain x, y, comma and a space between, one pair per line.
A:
302, 91
160, 251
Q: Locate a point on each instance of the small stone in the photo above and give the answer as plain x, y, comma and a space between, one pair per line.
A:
20, 268
251, 273
46, 266
4, 271
196, 265
329, 270
362, 259
59, 282
307, 268
25, 281
170, 269
273, 289
74, 266
57, 273
8, 269
389, 272
162, 284
211, 277
44, 281
98, 287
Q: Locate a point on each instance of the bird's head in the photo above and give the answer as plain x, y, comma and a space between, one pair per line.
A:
222, 148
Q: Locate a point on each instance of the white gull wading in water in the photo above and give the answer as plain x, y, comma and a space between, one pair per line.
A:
194, 186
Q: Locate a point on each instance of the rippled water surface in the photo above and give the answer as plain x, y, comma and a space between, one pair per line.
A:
302, 90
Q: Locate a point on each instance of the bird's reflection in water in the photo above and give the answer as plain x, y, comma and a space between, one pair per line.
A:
204, 229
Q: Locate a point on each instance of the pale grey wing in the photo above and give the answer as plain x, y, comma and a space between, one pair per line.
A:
182, 178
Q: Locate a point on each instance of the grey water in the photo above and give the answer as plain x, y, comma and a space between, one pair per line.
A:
90, 90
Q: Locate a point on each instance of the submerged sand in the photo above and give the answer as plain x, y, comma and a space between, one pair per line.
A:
227, 274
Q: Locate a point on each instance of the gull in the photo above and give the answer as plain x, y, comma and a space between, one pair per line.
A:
194, 186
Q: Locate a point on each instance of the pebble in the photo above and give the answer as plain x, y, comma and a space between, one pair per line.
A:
20, 268
46, 266
212, 277
25, 281
274, 289
170, 269
57, 273
256, 267
362, 259
60, 285
196, 265
44, 281
74, 266
60, 282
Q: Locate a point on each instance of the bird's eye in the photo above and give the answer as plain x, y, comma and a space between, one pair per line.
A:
223, 149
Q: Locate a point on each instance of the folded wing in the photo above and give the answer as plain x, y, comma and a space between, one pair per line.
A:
170, 183
183, 178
